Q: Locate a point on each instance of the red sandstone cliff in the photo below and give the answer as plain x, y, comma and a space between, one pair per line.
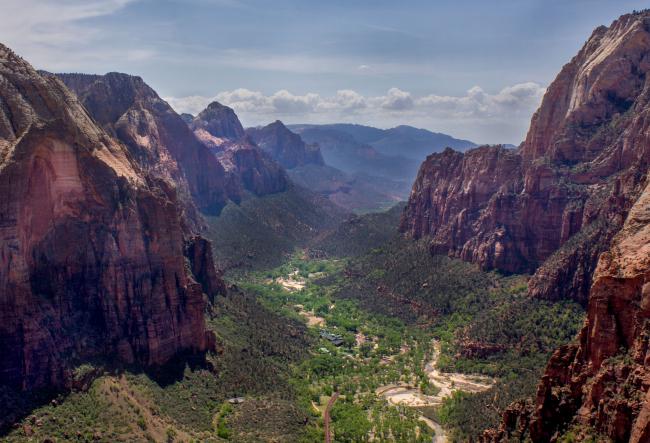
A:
602, 383
219, 128
595, 119
92, 245
157, 137
552, 205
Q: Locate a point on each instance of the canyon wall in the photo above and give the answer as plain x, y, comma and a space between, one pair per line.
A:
157, 137
92, 242
219, 128
593, 128
553, 205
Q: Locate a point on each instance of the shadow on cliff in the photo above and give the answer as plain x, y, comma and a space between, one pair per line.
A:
173, 371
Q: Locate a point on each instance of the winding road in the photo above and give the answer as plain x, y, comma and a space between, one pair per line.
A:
326, 417
447, 383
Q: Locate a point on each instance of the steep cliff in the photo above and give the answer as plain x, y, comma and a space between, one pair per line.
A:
219, 121
285, 146
601, 384
92, 246
158, 138
553, 204
255, 171
596, 116
219, 128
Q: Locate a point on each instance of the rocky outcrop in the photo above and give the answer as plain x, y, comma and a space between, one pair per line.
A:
157, 137
598, 389
558, 199
187, 118
92, 244
218, 121
602, 383
219, 129
256, 171
284, 146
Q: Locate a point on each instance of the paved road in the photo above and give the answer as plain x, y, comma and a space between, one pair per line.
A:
326, 417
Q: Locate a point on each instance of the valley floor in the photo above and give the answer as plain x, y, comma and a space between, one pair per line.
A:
414, 381
333, 340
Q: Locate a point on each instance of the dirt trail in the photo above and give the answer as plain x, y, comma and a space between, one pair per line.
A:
447, 382
293, 282
312, 319
326, 417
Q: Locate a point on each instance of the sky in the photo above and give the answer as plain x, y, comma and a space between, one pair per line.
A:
474, 69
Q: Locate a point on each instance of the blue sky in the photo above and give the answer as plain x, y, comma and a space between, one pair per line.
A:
475, 69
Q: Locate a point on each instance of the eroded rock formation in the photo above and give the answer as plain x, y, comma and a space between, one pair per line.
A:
595, 120
157, 137
218, 121
219, 128
552, 205
92, 242
284, 146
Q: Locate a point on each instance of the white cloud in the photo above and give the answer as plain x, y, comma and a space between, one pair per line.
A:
345, 100
500, 117
57, 34
52, 21
397, 100
513, 100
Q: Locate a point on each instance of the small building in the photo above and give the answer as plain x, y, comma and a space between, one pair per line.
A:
335, 339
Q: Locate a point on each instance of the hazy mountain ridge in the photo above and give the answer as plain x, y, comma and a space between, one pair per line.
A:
342, 151
405, 141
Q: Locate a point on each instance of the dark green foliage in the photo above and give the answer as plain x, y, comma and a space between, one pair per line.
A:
268, 419
262, 231
403, 279
360, 233
463, 304
350, 422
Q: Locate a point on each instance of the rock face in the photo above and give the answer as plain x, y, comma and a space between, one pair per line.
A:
553, 204
218, 121
595, 117
92, 245
256, 171
158, 138
284, 146
603, 382
219, 128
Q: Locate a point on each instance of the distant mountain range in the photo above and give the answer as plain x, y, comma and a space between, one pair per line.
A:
403, 141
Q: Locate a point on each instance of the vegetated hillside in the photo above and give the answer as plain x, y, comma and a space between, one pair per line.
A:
261, 231
359, 233
485, 321
256, 349
342, 151
352, 191
404, 141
